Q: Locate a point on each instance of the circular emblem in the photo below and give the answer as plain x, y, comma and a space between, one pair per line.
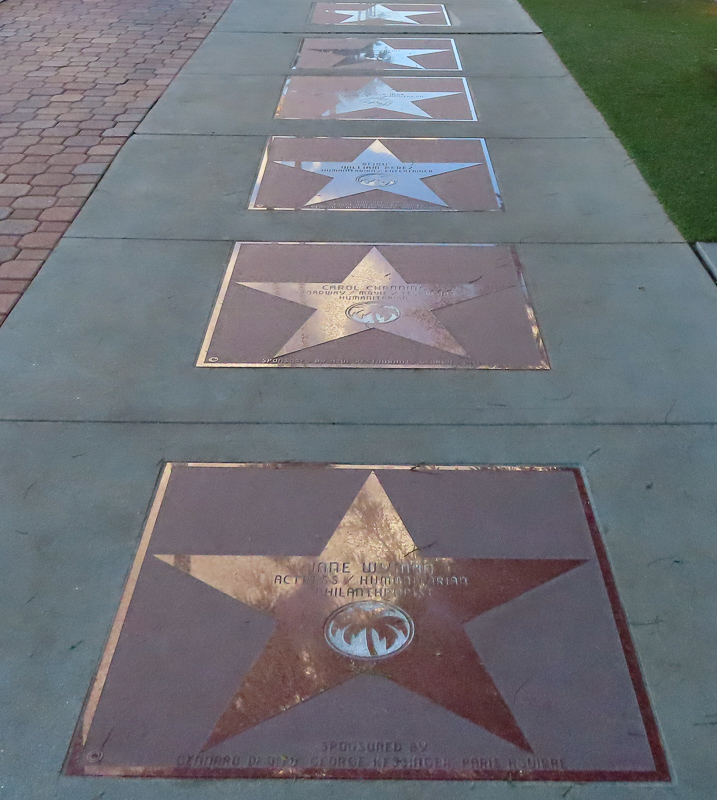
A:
373, 313
376, 180
368, 629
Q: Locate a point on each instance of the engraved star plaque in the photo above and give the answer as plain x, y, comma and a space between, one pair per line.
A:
375, 622
370, 54
373, 306
308, 97
386, 174
380, 15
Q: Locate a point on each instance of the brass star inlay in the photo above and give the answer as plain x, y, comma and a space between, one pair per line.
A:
373, 295
404, 621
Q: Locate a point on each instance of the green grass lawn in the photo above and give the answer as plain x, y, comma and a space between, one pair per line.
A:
650, 66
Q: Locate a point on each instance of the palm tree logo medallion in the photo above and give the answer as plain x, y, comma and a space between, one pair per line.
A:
368, 629
373, 313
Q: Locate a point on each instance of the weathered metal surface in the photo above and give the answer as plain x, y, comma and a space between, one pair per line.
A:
374, 622
384, 306
386, 174
378, 15
366, 98
372, 54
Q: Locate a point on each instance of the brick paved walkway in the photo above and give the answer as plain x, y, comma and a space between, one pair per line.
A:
77, 78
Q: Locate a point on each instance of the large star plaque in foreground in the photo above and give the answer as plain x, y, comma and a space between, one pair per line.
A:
309, 97
386, 174
379, 15
369, 622
371, 54
350, 305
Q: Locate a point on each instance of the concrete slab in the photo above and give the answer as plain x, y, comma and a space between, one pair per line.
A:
198, 187
246, 105
644, 484
505, 56
286, 16
708, 253
111, 330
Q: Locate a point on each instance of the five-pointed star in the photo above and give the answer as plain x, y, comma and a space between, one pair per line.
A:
377, 168
372, 295
440, 663
377, 94
382, 52
378, 11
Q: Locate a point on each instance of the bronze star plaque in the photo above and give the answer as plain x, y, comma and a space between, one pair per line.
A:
414, 98
378, 54
369, 622
378, 15
386, 174
383, 306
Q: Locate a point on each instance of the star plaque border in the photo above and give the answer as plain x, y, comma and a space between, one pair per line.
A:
204, 358
372, 68
362, 115
439, 8
362, 512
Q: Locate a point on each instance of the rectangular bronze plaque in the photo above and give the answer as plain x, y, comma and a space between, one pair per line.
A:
381, 306
304, 620
342, 97
371, 54
378, 15
369, 174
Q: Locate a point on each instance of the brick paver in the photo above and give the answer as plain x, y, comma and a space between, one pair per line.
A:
77, 77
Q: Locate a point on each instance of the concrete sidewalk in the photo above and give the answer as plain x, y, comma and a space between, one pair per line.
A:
99, 385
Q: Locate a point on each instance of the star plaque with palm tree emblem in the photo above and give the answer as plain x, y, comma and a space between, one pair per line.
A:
379, 15
341, 97
284, 304
394, 622
368, 174
378, 54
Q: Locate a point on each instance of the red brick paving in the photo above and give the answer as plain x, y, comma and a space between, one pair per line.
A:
76, 78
